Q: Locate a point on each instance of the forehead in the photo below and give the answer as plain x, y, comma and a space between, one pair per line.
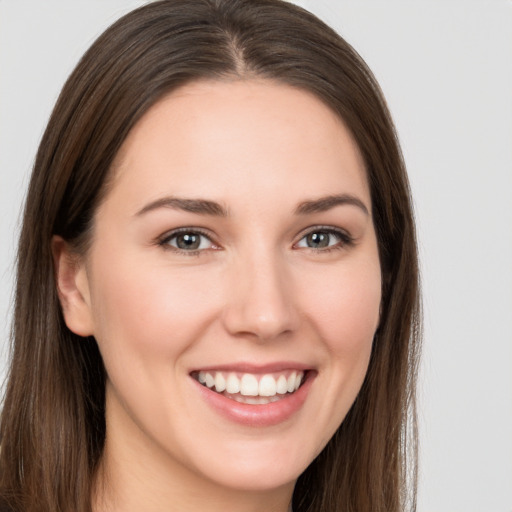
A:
206, 136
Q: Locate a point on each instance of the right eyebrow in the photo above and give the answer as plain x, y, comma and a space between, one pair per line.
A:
199, 206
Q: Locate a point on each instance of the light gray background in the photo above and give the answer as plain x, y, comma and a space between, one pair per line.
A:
446, 70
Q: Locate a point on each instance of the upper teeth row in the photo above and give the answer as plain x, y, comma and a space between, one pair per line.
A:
248, 384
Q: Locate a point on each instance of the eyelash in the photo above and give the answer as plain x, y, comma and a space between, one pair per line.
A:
344, 239
164, 241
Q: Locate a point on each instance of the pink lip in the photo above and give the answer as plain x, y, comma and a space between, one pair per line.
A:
263, 415
255, 368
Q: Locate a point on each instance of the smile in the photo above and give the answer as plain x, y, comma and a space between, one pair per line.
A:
249, 388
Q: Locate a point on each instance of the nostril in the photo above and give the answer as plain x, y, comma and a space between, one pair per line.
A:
242, 320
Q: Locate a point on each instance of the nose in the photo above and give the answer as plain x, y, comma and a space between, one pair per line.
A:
260, 303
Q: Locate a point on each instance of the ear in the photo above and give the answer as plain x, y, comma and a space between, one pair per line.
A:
72, 287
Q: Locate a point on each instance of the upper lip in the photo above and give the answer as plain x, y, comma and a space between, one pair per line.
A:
248, 367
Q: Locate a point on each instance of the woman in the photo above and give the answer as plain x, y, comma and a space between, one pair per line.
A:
217, 290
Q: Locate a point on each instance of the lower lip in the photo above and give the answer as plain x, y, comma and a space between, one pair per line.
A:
260, 415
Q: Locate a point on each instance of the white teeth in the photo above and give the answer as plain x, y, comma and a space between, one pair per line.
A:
210, 381
267, 387
282, 385
291, 382
232, 384
298, 380
220, 382
249, 385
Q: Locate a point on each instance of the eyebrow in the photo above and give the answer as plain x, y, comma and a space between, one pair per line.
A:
328, 202
199, 206
207, 207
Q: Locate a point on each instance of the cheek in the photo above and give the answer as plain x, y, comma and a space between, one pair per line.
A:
345, 305
345, 313
153, 311
342, 306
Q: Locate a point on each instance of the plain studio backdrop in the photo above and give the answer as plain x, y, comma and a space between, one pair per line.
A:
446, 71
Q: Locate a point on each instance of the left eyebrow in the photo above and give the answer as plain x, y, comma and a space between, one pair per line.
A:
328, 202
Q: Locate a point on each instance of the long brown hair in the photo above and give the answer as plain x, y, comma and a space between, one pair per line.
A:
52, 427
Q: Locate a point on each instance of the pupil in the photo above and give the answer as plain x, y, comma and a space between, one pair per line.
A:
317, 240
188, 241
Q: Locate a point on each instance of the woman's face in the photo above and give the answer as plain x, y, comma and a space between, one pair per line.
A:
235, 249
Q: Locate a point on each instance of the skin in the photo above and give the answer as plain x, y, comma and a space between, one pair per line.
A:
256, 291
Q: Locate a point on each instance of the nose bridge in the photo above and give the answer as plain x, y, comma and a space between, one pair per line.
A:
260, 301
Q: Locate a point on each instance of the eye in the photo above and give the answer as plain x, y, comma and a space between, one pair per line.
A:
324, 239
187, 240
